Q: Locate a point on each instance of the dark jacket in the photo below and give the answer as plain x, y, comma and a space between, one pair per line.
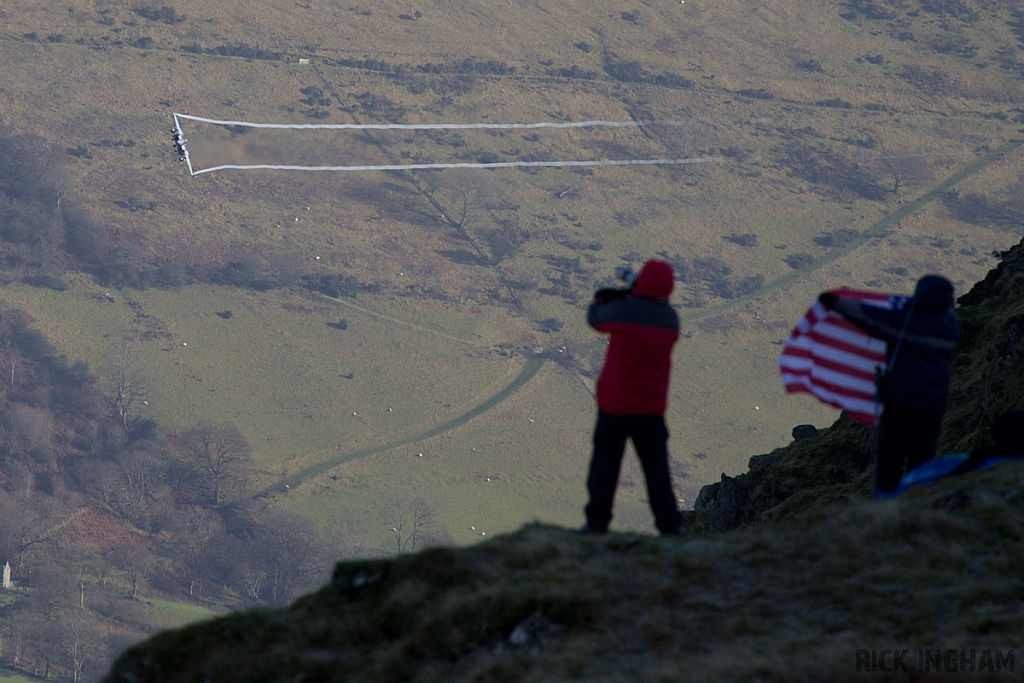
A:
920, 337
643, 328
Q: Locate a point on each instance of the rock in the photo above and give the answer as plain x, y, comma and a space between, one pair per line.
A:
805, 433
727, 500
534, 630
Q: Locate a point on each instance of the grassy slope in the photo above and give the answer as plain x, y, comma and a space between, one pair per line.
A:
168, 614
296, 410
797, 595
781, 602
7, 677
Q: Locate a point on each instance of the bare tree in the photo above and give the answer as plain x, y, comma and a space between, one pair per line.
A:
131, 385
284, 556
30, 432
48, 644
220, 457
17, 626
906, 171
141, 484
83, 559
53, 587
414, 524
461, 198
252, 580
344, 540
136, 561
26, 522
198, 547
56, 180
83, 645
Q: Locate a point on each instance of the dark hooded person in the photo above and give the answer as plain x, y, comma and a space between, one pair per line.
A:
920, 338
632, 394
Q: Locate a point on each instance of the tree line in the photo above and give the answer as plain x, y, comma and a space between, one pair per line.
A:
98, 502
101, 507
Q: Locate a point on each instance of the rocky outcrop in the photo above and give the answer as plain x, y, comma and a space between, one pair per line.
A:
793, 601
805, 433
728, 501
821, 466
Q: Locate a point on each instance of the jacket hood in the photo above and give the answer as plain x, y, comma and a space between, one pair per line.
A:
655, 281
933, 293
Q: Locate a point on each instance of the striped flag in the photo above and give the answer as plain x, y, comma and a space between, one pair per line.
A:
828, 356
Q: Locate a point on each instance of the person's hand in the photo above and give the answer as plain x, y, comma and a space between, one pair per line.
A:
827, 299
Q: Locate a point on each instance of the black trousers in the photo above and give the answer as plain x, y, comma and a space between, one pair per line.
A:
650, 438
905, 436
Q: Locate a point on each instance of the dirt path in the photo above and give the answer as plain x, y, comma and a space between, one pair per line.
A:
534, 364
879, 229
530, 368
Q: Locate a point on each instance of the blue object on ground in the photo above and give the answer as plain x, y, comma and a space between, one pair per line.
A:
933, 470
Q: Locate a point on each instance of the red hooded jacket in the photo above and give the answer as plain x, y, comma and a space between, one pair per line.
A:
643, 328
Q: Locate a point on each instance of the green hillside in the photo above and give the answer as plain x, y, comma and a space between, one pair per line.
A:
817, 110
408, 347
808, 579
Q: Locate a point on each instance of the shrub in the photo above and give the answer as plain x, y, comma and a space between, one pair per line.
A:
54, 281
758, 94
835, 103
633, 72
165, 14
746, 240
575, 72
810, 65
839, 238
550, 325
798, 261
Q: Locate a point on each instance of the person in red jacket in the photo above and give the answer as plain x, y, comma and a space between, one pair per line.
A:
632, 393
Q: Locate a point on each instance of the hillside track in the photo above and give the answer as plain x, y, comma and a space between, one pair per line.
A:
879, 229
530, 368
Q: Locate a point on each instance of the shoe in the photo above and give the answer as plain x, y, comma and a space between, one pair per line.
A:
588, 530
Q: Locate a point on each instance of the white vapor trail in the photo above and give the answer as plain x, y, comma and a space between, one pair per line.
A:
434, 126
498, 164
447, 126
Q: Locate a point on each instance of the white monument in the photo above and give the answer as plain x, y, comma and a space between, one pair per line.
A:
7, 575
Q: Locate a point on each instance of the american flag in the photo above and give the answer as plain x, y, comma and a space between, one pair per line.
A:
828, 356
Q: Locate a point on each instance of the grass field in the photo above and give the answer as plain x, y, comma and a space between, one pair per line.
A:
10, 677
168, 614
453, 324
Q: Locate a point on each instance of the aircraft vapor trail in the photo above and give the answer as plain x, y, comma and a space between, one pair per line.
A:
435, 126
498, 164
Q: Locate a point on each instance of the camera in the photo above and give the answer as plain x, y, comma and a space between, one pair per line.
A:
626, 274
